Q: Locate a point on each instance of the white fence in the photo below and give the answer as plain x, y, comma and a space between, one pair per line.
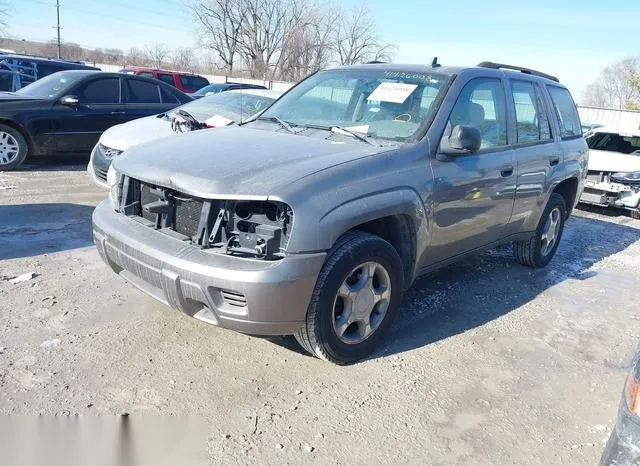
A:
619, 119
212, 78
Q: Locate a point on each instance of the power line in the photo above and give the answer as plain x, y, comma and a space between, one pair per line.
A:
143, 10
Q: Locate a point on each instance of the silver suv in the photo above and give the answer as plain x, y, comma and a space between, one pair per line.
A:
314, 217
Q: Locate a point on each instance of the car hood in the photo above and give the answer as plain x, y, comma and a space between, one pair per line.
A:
122, 137
235, 162
607, 161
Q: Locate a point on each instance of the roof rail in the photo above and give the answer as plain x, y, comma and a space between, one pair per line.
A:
497, 66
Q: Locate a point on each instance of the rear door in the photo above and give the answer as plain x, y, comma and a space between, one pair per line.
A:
143, 98
77, 129
474, 193
538, 154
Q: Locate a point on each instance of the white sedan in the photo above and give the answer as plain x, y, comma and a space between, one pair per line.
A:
213, 111
613, 177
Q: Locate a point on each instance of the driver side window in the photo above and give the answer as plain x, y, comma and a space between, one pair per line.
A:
481, 104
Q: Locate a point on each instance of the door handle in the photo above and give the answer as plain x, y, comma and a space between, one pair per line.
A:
553, 161
506, 171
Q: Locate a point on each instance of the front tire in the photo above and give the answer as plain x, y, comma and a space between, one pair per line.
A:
356, 298
13, 148
538, 251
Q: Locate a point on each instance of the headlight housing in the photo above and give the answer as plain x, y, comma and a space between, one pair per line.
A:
626, 178
114, 181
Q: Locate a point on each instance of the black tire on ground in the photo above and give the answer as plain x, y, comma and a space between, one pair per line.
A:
318, 336
12, 161
635, 214
530, 252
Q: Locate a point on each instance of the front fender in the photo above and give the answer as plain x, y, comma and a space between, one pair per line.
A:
354, 212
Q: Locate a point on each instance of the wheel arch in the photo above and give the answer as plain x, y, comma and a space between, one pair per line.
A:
568, 189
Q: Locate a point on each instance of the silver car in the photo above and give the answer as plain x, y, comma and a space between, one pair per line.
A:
313, 218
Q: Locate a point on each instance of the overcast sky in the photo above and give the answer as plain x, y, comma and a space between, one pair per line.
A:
570, 39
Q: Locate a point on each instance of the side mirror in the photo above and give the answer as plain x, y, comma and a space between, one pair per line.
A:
70, 100
463, 140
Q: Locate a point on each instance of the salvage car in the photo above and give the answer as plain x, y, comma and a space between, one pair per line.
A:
66, 112
209, 112
313, 220
613, 178
623, 447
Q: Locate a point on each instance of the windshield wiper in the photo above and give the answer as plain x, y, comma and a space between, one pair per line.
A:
284, 124
355, 134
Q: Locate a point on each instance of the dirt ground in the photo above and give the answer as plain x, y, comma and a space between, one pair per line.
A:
489, 362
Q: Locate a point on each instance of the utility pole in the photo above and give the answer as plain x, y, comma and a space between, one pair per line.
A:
58, 28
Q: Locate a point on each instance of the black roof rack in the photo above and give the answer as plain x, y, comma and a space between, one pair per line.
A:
497, 66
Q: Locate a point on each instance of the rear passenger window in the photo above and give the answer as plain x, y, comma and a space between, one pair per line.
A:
168, 97
142, 92
566, 111
166, 78
481, 104
532, 123
145, 74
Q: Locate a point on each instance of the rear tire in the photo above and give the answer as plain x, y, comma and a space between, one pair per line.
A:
635, 214
13, 148
356, 298
538, 251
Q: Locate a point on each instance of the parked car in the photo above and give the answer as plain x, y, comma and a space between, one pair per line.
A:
623, 447
18, 71
313, 221
66, 112
209, 112
222, 87
589, 127
613, 179
186, 82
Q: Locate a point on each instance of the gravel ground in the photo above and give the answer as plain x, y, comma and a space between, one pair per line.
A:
489, 362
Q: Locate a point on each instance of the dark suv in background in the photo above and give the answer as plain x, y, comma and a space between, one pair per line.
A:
17, 71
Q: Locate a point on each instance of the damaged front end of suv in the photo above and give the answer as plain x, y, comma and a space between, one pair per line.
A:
619, 189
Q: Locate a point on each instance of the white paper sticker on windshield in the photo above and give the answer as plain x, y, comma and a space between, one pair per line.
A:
217, 120
392, 92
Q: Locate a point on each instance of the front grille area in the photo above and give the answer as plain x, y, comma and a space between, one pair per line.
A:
598, 177
100, 173
165, 208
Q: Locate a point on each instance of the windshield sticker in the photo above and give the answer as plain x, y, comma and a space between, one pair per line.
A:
392, 92
404, 75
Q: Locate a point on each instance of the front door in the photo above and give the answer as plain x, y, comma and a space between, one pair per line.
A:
78, 128
474, 193
145, 98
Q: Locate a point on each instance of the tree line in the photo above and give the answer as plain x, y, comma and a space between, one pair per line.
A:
618, 86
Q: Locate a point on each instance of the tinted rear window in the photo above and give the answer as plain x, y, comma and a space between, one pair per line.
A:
194, 82
566, 112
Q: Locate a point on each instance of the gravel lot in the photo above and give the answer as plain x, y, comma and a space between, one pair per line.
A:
489, 362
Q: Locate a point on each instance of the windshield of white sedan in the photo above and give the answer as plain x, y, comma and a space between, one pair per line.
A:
377, 103
52, 85
235, 106
614, 142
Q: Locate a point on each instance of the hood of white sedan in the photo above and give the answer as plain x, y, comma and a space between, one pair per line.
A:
608, 161
122, 137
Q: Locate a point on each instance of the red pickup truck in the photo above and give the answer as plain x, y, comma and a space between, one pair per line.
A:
186, 82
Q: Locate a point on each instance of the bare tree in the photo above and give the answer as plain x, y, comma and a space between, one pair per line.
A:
157, 54
4, 14
135, 56
183, 58
113, 55
615, 87
222, 24
356, 39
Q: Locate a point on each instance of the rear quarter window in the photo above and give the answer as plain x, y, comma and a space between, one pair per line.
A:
194, 82
566, 112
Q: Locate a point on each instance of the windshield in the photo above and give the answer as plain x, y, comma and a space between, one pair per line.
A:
383, 104
614, 142
235, 106
53, 85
